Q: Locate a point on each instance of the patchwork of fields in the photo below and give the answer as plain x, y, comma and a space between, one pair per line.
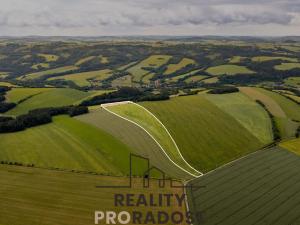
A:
42, 98
262, 188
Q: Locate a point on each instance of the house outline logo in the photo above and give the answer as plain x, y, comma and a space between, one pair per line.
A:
146, 177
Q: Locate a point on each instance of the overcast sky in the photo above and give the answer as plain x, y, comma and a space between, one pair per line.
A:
149, 17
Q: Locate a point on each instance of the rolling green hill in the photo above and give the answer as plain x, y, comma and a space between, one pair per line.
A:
207, 136
50, 98
154, 61
134, 137
82, 79
247, 112
40, 74
285, 111
17, 94
229, 70
146, 120
68, 144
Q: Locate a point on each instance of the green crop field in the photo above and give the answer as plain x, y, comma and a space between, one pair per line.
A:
146, 78
291, 109
49, 57
51, 98
7, 84
262, 188
68, 144
140, 116
82, 79
39, 75
293, 81
270, 58
269, 102
246, 111
134, 137
17, 94
287, 66
125, 81
154, 61
284, 110
236, 59
296, 98
207, 136
292, 145
176, 78
229, 70
194, 79
172, 68
83, 60
40, 65
32, 196
212, 80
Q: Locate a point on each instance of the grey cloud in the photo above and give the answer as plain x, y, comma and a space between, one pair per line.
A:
132, 15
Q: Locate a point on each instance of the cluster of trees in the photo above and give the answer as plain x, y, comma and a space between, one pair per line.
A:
298, 132
38, 117
126, 94
5, 106
223, 90
276, 132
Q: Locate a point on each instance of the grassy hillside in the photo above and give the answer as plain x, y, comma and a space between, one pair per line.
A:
31, 196
207, 136
291, 108
247, 112
284, 110
38, 75
81, 79
142, 117
52, 98
228, 70
17, 94
153, 61
262, 188
292, 145
287, 66
134, 137
171, 68
69, 144
270, 58
195, 79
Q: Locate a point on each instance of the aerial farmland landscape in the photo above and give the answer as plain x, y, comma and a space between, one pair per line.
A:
130, 118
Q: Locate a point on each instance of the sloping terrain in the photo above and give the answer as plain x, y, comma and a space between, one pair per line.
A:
154, 61
32, 196
262, 188
52, 98
152, 125
82, 79
247, 112
229, 70
134, 137
206, 136
68, 144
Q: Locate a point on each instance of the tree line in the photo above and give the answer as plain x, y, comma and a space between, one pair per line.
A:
38, 117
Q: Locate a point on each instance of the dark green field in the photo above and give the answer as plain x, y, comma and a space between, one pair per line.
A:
262, 188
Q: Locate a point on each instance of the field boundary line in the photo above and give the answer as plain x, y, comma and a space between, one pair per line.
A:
193, 175
169, 136
273, 144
